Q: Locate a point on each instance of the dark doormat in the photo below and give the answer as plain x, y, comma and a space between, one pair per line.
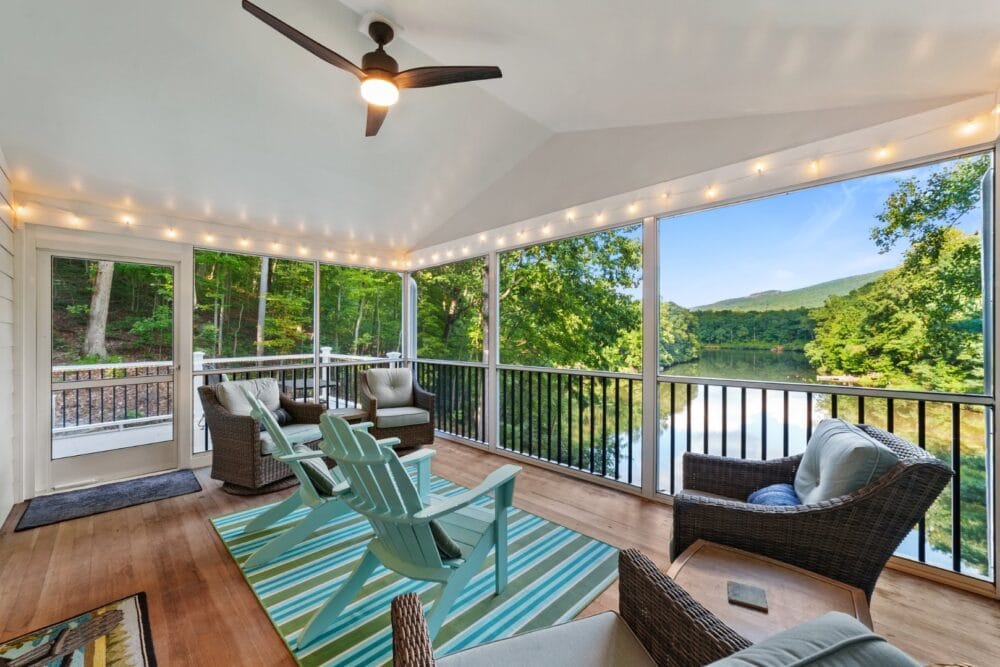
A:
46, 510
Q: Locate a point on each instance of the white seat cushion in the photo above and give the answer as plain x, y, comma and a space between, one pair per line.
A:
295, 434
391, 387
604, 640
396, 417
230, 395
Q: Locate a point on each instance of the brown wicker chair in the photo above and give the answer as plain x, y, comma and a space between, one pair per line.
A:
848, 538
409, 436
674, 629
236, 448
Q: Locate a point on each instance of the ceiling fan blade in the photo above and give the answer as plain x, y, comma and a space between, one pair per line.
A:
306, 42
424, 77
376, 115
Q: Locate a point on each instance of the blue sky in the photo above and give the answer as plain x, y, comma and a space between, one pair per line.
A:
782, 242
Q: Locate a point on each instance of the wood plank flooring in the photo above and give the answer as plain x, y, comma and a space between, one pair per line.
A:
202, 612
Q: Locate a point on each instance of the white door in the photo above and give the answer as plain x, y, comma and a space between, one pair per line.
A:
106, 354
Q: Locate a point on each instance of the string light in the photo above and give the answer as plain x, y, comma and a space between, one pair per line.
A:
171, 233
330, 254
711, 192
209, 238
759, 168
882, 153
633, 207
74, 219
450, 253
814, 166
570, 216
127, 219
970, 127
465, 250
245, 242
599, 218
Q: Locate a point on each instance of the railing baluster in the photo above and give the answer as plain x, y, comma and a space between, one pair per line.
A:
630, 460
784, 434
725, 421
763, 424
604, 426
833, 405
592, 420
548, 417
559, 418
922, 443
861, 409
743, 422
704, 429
673, 433
809, 415
956, 487
687, 409
579, 403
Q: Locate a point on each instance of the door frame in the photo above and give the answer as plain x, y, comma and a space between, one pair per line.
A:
104, 466
36, 243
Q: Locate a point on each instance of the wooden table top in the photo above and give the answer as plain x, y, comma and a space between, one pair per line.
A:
794, 595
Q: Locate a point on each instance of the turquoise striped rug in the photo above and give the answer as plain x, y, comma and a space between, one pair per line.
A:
554, 573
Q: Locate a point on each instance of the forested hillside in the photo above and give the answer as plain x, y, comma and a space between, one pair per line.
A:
811, 296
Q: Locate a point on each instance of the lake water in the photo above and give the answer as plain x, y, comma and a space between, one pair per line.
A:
748, 365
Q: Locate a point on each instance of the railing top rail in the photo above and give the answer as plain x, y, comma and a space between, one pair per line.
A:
872, 392
252, 369
76, 368
358, 362
447, 362
277, 357
570, 371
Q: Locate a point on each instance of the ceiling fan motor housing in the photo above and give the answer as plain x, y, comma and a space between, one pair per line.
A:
379, 60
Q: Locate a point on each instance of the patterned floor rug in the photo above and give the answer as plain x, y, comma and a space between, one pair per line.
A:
113, 635
554, 573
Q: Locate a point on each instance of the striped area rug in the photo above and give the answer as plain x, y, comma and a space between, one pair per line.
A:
554, 573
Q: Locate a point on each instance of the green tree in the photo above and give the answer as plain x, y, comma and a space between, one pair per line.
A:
451, 304
573, 303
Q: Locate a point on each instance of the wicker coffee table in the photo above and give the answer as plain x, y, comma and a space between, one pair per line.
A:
794, 595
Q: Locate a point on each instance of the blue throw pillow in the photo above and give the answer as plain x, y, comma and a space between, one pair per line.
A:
776, 494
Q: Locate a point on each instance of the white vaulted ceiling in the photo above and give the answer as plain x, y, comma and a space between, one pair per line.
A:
197, 109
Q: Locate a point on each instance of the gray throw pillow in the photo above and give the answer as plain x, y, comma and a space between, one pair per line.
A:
316, 471
840, 459
446, 546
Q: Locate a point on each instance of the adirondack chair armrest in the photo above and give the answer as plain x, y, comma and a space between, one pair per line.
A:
388, 442
501, 479
362, 426
414, 457
298, 456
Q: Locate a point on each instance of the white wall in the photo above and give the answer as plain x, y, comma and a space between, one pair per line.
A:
7, 494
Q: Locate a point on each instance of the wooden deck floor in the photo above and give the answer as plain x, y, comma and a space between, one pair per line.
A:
202, 612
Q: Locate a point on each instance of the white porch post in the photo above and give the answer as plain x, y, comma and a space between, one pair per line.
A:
492, 350
650, 359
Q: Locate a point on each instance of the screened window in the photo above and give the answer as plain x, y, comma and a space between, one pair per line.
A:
451, 305
360, 311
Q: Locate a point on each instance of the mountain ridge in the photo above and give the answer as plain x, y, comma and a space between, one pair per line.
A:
810, 296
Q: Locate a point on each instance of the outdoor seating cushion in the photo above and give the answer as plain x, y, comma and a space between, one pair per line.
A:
391, 387
832, 640
596, 641
295, 433
230, 395
775, 495
403, 416
839, 459
316, 471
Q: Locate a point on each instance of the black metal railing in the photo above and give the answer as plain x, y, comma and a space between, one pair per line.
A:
763, 420
110, 395
585, 420
459, 390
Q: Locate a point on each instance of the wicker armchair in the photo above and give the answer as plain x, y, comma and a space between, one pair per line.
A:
674, 629
237, 459
410, 435
848, 538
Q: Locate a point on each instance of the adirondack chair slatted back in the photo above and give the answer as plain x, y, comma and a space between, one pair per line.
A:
310, 496
382, 491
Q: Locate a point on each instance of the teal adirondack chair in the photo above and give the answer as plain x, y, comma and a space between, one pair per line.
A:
325, 502
381, 490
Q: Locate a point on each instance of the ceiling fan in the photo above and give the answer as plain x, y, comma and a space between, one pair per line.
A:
379, 73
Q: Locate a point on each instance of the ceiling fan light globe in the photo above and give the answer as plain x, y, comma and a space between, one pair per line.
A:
379, 92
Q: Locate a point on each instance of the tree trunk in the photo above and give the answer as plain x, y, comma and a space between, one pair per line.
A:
357, 325
262, 304
94, 342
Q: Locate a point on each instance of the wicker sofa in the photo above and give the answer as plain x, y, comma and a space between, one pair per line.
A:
398, 406
658, 623
239, 454
848, 538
